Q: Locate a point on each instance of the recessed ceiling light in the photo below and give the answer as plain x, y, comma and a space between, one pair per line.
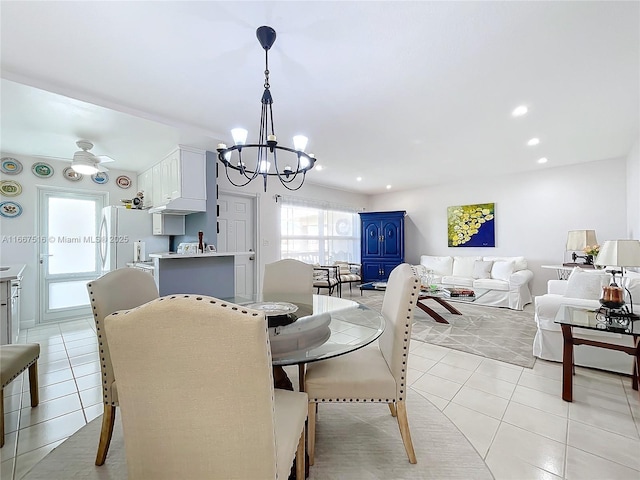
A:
533, 141
519, 111
542, 160
319, 167
388, 187
358, 179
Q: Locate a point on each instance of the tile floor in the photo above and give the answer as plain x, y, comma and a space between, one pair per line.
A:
513, 416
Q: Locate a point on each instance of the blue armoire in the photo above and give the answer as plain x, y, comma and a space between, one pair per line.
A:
382, 244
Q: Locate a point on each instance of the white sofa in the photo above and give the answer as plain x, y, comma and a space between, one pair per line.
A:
583, 289
507, 277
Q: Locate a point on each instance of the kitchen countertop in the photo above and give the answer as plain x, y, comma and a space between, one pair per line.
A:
13, 272
194, 255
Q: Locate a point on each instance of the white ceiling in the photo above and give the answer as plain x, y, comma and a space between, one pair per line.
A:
400, 93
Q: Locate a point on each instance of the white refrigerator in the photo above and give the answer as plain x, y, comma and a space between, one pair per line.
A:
120, 228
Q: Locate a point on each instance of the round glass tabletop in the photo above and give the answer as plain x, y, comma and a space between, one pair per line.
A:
320, 327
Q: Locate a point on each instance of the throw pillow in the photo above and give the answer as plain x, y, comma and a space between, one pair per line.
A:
502, 270
585, 285
482, 269
344, 267
463, 266
438, 265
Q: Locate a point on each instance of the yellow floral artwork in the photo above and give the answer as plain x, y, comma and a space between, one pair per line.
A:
471, 225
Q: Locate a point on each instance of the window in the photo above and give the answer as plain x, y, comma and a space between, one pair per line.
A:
319, 234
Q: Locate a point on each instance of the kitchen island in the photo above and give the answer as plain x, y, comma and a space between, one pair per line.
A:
209, 273
10, 285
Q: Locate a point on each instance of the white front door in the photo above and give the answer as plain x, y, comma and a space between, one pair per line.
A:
237, 227
68, 259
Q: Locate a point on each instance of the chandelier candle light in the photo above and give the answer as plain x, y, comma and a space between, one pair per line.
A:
267, 148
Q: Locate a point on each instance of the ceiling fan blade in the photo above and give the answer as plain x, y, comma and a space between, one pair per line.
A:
105, 159
101, 168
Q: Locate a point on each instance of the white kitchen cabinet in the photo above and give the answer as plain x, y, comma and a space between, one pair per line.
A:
156, 189
145, 185
9, 310
181, 174
5, 313
168, 224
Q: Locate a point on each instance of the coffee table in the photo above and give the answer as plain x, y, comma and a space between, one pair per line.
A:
440, 297
437, 295
569, 317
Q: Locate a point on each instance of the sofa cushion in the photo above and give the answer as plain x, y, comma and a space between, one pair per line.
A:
482, 269
587, 285
457, 281
491, 284
502, 270
438, 265
519, 263
463, 266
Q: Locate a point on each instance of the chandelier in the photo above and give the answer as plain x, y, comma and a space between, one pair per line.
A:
292, 165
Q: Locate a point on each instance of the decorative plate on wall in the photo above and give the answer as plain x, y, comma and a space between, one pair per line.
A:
123, 181
42, 170
10, 209
10, 166
10, 188
100, 178
71, 175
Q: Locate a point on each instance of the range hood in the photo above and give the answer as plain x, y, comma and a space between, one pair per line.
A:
181, 206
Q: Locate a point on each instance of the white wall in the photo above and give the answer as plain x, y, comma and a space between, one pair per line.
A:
268, 233
633, 192
11, 252
534, 211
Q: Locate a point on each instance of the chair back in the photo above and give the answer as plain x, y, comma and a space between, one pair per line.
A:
400, 297
288, 276
121, 289
196, 392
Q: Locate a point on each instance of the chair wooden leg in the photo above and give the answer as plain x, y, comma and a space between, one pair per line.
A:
392, 407
2, 418
300, 470
33, 384
108, 420
311, 432
403, 423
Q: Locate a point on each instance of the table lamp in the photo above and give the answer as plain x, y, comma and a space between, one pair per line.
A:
578, 240
620, 253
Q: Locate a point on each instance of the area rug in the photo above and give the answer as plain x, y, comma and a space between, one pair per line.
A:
353, 442
492, 332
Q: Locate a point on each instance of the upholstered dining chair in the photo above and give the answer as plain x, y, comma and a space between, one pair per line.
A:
121, 289
376, 373
287, 276
196, 393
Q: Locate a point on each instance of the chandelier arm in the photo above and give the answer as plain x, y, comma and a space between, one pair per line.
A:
287, 178
226, 171
222, 152
285, 184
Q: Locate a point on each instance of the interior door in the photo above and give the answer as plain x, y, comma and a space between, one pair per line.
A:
69, 258
237, 233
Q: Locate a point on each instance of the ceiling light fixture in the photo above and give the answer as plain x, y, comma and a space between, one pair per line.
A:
85, 162
358, 179
388, 187
542, 160
533, 141
267, 149
519, 111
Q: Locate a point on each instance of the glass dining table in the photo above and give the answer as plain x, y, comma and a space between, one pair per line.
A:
308, 328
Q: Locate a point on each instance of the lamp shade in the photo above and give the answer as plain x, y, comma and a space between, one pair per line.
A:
578, 239
619, 253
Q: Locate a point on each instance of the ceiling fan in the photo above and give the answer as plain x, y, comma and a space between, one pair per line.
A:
87, 163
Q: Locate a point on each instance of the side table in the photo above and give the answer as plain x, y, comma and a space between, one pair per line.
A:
569, 317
